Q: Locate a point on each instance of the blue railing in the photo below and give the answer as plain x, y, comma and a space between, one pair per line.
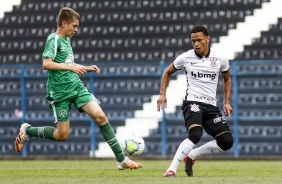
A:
235, 109
21, 74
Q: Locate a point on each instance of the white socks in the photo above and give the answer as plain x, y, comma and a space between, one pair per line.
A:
184, 148
208, 148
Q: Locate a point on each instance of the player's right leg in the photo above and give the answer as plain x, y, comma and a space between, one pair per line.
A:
193, 121
93, 109
183, 149
195, 133
128, 164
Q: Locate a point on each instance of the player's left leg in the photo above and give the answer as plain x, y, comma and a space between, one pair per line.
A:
215, 125
22, 138
223, 142
27, 131
60, 110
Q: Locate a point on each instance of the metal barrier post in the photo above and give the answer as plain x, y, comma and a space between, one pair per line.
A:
23, 104
163, 123
235, 109
92, 123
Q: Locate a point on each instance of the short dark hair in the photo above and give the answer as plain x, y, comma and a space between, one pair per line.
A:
68, 15
200, 28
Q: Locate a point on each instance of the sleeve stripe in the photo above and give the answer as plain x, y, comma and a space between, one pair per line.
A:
225, 71
56, 45
174, 67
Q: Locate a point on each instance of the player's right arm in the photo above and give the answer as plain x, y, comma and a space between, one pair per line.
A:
49, 64
162, 101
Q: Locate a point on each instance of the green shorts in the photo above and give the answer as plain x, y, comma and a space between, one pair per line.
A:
61, 109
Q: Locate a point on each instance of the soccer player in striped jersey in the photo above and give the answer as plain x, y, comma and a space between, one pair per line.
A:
202, 66
65, 87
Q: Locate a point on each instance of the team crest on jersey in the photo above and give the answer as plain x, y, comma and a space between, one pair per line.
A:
213, 62
63, 113
194, 108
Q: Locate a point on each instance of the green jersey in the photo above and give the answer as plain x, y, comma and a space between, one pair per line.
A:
61, 84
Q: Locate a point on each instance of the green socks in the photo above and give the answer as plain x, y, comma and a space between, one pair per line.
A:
41, 132
106, 130
111, 139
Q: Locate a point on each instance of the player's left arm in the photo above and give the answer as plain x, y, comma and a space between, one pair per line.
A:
227, 88
92, 68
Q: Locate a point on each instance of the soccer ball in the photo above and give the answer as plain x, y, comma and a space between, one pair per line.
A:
132, 144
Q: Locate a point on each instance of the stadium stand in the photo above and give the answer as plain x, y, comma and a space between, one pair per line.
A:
143, 32
266, 47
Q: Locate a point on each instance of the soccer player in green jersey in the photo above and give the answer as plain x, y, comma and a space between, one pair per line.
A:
65, 87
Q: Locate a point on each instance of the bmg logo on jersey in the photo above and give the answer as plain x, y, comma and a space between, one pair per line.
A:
203, 75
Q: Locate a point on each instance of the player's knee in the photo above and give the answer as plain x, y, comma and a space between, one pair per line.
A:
195, 134
225, 141
62, 137
100, 118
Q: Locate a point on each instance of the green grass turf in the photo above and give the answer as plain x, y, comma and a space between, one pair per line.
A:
104, 171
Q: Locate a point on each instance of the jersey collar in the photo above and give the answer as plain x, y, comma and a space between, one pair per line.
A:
206, 56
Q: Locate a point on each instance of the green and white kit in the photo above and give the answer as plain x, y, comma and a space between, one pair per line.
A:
63, 87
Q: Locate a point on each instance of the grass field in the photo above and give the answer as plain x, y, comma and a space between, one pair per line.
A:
104, 171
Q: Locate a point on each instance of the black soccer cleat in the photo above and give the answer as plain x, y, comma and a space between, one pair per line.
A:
189, 166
